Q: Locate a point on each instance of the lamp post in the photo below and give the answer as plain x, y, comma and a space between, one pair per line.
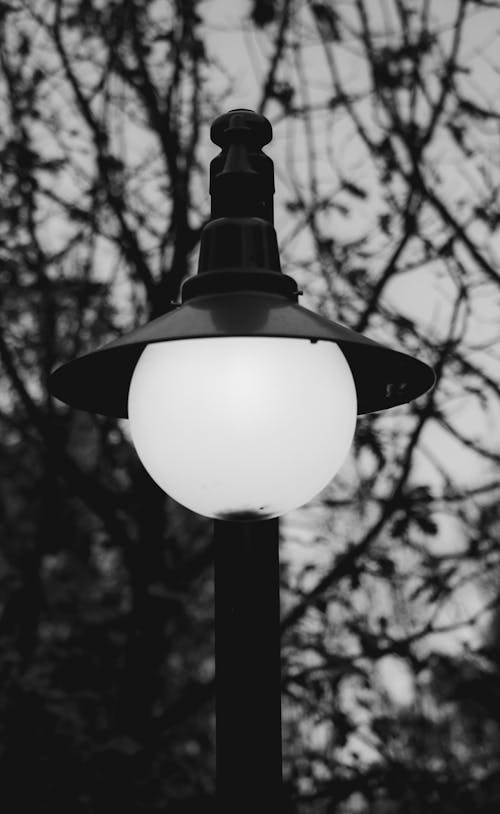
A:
242, 406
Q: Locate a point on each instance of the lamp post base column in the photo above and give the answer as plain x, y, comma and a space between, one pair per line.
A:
247, 656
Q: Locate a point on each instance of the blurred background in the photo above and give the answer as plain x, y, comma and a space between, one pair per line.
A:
386, 118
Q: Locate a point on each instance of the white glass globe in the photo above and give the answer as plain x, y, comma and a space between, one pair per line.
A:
242, 428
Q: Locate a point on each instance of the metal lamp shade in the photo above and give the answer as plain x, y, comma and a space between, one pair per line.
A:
99, 381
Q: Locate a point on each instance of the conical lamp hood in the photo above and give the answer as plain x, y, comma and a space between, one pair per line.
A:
99, 381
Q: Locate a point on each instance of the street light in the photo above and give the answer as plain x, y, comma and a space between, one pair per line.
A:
242, 405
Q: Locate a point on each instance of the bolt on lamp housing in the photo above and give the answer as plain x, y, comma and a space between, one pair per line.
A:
242, 403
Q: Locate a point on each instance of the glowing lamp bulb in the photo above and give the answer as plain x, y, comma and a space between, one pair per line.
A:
242, 428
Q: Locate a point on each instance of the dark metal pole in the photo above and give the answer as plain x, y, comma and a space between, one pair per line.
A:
247, 656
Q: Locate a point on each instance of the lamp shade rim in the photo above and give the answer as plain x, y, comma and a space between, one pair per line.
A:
99, 381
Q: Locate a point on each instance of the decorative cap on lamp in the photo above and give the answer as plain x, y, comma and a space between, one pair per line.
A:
242, 403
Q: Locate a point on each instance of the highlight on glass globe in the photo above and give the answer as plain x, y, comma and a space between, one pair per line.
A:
242, 428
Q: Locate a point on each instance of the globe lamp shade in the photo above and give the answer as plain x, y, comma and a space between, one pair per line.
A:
254, 427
